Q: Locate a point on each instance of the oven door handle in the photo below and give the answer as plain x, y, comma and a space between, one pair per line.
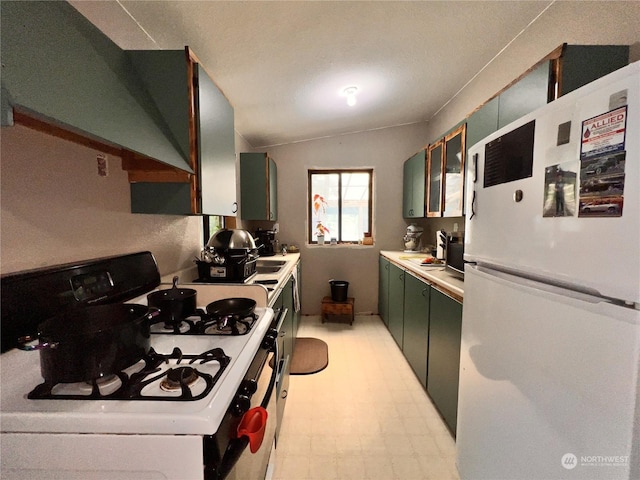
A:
238, 445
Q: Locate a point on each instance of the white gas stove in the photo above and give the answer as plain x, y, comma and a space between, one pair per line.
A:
173, 421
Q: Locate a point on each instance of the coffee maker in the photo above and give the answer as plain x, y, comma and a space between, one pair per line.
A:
266, 242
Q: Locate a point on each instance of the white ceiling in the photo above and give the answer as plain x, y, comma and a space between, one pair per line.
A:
282, 65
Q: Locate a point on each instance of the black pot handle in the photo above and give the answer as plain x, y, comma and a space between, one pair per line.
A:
153, 314
22, 344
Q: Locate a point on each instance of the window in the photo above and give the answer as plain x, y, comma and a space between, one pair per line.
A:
340, 204
210, 225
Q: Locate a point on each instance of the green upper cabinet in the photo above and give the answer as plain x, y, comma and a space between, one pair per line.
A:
445, 174
525, 96
258, 187
200, 122
453, 172
482, 123
413, 186
216, 149
567, 68
59, 68
582, 64
434, 178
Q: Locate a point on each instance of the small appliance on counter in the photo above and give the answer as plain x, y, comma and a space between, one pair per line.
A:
229, 257
266, 242
455, 255
441, 244
412, 238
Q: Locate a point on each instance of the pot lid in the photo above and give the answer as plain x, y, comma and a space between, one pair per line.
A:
234, 239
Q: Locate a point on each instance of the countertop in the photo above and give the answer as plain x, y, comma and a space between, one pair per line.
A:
435, 275
281, 277
264, 295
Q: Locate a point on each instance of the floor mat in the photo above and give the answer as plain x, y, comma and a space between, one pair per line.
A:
310, 355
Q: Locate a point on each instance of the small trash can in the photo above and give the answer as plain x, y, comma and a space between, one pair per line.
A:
339, 290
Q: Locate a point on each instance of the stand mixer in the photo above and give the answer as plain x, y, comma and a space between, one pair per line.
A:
412, 238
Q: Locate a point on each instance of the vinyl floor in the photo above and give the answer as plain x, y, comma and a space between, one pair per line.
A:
365, 416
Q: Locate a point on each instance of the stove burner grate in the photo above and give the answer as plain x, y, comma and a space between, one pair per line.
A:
133, 384
202, 323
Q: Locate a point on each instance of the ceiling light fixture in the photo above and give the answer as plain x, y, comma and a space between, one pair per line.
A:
350, 93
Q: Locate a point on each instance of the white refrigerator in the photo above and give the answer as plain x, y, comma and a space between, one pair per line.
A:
551, 319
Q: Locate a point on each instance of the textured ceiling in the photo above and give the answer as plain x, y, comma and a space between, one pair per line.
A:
282, 65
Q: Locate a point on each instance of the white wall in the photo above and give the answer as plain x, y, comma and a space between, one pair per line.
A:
56, 209
384, 151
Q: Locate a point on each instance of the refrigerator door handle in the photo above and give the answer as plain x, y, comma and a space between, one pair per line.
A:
570, 292
473, 205
475, 167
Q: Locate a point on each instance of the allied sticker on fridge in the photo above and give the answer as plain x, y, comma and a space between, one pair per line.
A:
604, 133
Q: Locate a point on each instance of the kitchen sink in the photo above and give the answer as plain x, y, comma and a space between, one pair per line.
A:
262, 262
267, 269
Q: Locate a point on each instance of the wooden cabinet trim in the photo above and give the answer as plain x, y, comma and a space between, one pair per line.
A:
65, 133
428, 211
461, 130
553, 56
191, 63
143, 169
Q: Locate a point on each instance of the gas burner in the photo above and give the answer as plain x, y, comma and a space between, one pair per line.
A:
155, 377
178, 378
202, 323
176, 328
231, 326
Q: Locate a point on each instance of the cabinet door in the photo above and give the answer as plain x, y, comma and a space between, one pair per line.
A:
297, 315
258, 187
273, 190
413, 186
435, 159
415, 345
482, 123
525, 96
445, 326
454, 159
582, 64
201, 122
216, 148
396, 303
287, 302
407, 189
383, 289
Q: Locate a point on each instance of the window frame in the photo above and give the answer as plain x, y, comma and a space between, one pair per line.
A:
339, 171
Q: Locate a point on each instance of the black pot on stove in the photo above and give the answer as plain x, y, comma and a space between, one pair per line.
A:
88, 343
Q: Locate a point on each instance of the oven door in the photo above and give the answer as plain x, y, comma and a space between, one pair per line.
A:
239, 462
255, 465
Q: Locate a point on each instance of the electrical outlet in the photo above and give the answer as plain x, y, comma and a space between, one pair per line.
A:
103, 166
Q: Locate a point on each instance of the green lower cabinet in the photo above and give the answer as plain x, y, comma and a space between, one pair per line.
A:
445, 326
287, 332
415, 345
396, 303
383, 289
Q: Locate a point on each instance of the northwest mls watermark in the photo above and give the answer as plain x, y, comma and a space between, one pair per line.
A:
571, 461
